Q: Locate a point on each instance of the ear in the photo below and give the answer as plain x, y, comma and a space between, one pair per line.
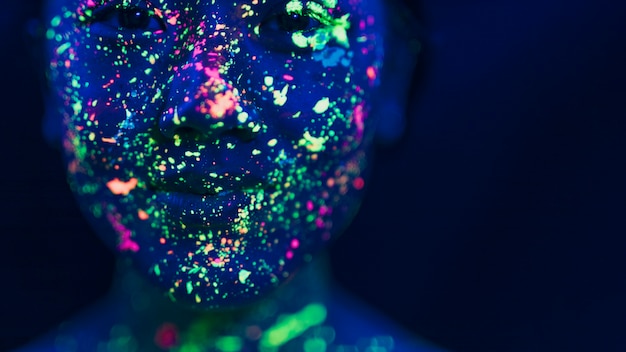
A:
401, 49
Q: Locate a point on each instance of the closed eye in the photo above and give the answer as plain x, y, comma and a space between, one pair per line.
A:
288, 22
128, 19
280, 29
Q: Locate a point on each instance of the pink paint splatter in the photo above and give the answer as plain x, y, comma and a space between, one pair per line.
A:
359, 121
125, 243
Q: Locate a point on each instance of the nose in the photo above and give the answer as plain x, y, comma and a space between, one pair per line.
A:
201, 102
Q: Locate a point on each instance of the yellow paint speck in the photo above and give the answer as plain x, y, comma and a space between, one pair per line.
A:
243, 275
322, 105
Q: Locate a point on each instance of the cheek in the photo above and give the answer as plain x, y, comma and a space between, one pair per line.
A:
319, 101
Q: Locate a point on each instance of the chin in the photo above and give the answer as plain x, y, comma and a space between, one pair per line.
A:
225, 250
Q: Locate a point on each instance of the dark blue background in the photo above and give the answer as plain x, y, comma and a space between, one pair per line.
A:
497, 224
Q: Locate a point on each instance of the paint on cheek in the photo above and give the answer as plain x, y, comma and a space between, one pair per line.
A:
359, 121
372, 74
119, 187
312, 144
333, 56
125, 243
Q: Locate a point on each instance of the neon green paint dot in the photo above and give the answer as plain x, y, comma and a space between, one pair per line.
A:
189, 287
322, 105
294, 6
299, 40
242, 117
243, 275
63, 47
229, 344
56, 20
314, 345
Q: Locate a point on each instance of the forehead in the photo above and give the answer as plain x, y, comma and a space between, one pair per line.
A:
208, 5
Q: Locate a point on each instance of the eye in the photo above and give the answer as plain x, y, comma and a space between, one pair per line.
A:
134, 18
277, 29
289, 23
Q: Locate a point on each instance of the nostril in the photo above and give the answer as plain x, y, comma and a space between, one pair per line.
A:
241, 133
185, 131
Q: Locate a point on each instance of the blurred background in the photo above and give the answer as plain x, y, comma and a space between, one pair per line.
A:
507, 234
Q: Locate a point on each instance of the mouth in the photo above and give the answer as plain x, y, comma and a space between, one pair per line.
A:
200, 201
210, 185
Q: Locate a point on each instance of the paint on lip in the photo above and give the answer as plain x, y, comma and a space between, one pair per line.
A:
206, 211
207, 183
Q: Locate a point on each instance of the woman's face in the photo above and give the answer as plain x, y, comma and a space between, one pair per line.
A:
218, 143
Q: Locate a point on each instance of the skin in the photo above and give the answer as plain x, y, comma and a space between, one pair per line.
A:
218, 144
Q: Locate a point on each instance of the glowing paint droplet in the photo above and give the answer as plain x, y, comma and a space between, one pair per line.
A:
142, 214
118, 187
243, 275
321, 106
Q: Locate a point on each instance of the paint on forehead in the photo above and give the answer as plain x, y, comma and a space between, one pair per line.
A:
216, 161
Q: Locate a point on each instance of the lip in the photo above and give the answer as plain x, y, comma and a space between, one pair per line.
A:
201, 210
207, 184
188, 200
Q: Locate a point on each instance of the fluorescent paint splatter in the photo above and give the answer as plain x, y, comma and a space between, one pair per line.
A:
243, 275
118, 187
125, 243
197, 133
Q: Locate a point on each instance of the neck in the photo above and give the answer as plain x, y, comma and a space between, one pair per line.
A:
155, 320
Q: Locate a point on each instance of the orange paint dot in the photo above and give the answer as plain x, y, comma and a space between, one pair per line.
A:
143, 215
371, 73
118, 187
222, 104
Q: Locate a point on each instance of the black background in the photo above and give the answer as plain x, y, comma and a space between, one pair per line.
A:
497, 224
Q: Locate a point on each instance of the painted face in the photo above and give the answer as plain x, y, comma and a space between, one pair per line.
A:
219, 144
